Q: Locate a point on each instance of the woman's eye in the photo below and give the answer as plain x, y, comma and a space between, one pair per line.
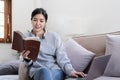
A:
41, 21
34, 20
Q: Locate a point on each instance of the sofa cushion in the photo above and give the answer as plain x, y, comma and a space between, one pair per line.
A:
113, 47
9, 77
107, 78
7, 68
79, 56
7, 54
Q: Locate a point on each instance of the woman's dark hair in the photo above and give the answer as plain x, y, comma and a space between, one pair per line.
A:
40, 11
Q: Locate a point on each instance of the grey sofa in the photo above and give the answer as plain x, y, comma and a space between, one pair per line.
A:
94, 43
7, 55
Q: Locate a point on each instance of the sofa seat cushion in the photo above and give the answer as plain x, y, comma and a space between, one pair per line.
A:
99, 78
9, 68
107, 78
9, 77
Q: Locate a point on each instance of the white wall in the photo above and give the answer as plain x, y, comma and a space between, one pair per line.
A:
67, 17
70, 16
21, 12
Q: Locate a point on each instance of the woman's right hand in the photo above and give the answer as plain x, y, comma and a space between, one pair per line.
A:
78, 74
25, 54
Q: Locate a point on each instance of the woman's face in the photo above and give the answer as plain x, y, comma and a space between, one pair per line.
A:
38, 22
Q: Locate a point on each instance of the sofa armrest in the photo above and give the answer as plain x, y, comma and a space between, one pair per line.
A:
23, 72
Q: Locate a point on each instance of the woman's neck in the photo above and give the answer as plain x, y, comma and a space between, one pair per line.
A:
39, 33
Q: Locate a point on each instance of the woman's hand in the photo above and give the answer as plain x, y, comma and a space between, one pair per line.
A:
25, 54
78, 74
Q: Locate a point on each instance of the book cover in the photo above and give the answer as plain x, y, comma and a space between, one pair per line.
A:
21, 43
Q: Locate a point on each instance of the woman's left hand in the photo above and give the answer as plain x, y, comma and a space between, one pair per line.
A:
78, 74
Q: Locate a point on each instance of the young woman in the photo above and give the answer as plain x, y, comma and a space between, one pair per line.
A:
52, 62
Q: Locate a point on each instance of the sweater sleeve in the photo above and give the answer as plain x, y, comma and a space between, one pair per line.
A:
62, 58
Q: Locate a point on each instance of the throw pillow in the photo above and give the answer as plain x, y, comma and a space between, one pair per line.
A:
113, 47
79, 56
8, 68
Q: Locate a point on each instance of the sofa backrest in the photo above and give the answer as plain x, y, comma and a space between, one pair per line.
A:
95, 43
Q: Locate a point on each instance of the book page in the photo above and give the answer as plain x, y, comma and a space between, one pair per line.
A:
32, 38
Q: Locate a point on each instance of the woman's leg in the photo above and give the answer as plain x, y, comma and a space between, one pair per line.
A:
43, 74
58, 75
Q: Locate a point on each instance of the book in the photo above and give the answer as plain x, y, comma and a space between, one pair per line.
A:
21, 43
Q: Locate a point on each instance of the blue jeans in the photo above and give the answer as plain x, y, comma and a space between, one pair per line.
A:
47, 74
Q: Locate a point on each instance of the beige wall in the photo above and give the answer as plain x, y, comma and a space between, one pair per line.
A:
70, 16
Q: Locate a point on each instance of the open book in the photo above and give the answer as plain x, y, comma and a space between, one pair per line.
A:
21, 43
